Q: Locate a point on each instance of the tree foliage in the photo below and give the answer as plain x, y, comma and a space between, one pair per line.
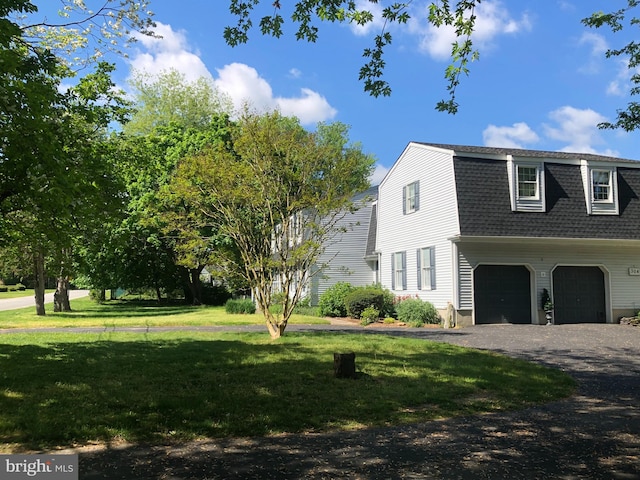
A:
52, 179
306, 14
278, 192
86, 30
161, 242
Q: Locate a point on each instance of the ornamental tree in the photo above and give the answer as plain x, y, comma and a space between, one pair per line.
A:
278, 193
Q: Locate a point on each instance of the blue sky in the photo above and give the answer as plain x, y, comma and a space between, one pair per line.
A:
542, 81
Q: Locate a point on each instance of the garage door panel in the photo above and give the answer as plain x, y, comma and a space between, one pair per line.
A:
502, 294
578, 295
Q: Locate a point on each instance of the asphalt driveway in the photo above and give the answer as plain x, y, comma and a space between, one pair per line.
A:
593, 435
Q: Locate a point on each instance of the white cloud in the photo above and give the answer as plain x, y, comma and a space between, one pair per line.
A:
577, 128
243, 84
598, 45
515, 136
171, 51
240, 82
378, 174
492, 20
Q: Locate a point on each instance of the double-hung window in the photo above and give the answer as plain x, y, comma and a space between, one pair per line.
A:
528, 182
411, 198
399, 271
426, 268
601, 185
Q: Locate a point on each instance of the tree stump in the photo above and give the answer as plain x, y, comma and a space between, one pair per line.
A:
344, 365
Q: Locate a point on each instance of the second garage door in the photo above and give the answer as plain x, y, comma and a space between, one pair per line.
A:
502, 294
578, 295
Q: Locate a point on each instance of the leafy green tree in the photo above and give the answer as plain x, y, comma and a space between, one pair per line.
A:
47, 174
85, 31
168, 98
162, 243
278, 193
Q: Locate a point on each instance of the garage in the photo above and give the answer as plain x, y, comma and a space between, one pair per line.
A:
502, 294
578, 295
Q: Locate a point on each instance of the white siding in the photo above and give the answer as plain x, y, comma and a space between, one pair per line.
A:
431, 226
622, 289
343, 258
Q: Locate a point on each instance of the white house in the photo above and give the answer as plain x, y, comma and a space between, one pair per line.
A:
350, 255
488, 229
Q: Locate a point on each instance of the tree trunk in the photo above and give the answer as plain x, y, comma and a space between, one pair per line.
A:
276, 330
194, 285
61, 301
39, 281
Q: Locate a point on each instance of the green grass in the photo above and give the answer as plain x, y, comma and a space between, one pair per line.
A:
87, 313
18, 294
65, 389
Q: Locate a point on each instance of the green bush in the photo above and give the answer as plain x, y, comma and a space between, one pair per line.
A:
332, 302
4, 288
369, 315
215, 295
245, 306
362, 298
416, 313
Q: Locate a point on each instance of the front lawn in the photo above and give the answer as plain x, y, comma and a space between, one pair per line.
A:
116, 313
65, 389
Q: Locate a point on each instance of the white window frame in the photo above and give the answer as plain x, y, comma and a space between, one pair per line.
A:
526, 203
535, 182
399, 270
599, 185
411, 197
426, 268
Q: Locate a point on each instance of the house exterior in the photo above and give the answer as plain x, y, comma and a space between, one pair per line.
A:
349, 256
487, 230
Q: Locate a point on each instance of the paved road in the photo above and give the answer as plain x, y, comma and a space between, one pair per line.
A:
21, 302
593, 435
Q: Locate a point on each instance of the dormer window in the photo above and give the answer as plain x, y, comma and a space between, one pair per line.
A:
526, 185
601, 185
528, 182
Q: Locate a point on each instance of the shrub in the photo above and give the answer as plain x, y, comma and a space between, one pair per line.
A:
389, 320
362, 298
215, 295
4, 288
369, 315
416, 313
332, 302
245, 306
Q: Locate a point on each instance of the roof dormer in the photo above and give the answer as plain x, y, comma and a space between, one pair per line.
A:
600, 183
526, 185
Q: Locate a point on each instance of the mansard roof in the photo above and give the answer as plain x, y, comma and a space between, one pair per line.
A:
484, 209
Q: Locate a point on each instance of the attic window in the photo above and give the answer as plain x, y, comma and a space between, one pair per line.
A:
411, 198
527, 182
601, 185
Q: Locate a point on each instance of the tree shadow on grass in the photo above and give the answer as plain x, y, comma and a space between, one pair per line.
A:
131, 309
150, 388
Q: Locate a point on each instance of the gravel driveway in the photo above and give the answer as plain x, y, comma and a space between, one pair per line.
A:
593, 435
